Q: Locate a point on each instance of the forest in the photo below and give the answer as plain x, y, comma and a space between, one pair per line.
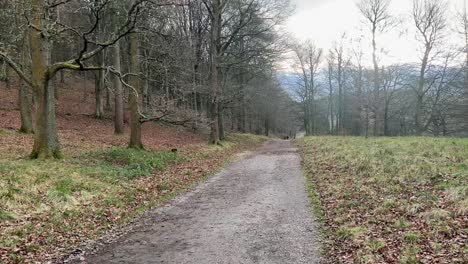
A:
190, 63
346, 90
233, 131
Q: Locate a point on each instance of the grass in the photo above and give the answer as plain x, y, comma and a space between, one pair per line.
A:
48, 207
390, 200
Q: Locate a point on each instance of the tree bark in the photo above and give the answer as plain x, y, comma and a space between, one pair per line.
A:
24, 102
340, 96
375, 80
119, 102
146, 87
135, 124
222, 132
7, 77
418, 119
330, 99
386, 110
99, 88
215, 70
46, 143
362, 121
267, 126
24, 98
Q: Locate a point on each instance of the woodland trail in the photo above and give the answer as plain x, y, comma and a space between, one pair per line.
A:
256, 210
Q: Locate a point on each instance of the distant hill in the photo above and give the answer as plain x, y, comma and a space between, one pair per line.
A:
289, 83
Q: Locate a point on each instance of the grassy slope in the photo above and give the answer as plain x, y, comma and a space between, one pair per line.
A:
47, 207
391, 200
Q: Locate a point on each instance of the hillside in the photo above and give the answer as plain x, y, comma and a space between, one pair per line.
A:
48, 208
77, 127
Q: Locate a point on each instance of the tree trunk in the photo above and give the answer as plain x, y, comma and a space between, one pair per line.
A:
46, 143
215, 70
108, 100
340, 102
119, 102
367, 121
135, 124
145, 94
386, 109
99, 88
418, 119
418, 116
267, 126
376, 81
62, 76
362, 121
24, 103
2, 69
222, 132
242, 118
24, 97
330, 99
7, 77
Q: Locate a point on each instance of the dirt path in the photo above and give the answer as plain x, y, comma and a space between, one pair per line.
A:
254, 211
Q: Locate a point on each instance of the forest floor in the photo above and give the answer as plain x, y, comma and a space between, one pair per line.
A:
48, 208
390, 200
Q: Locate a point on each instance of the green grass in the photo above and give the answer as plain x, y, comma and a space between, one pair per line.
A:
382, 197
46, 205
55, 195
27, 185
128, 163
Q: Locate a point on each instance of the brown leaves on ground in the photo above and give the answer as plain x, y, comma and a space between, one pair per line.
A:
47, 208
391, 200
78, 130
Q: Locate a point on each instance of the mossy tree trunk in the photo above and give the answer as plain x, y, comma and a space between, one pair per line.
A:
46, 143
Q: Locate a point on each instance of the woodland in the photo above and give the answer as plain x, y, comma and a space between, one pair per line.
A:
110, 108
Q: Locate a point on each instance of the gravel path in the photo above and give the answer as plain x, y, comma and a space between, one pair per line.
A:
254, 211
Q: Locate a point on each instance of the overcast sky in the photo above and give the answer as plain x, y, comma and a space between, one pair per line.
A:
324, 21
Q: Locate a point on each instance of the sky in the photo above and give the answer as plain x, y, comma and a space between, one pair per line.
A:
325, 21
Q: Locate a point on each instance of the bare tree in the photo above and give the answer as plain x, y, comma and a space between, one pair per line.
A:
331, 112
463, 17
341, 64
392, 81
41, 29
309, 57
376, 13
430, 21
363, 124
